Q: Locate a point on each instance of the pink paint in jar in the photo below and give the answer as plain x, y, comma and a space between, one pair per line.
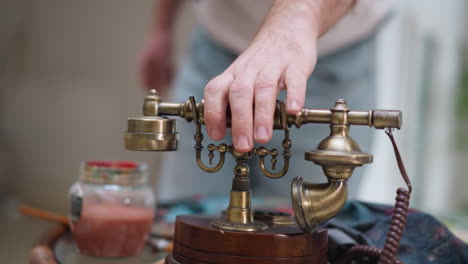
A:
111, 208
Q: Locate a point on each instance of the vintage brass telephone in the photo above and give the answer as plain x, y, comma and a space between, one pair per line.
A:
240, 235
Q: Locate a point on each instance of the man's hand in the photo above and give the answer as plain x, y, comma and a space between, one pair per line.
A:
282, 55
156, 68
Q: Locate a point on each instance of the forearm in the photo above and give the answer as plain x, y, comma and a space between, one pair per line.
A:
301, 23
329, 12
321, 15
165, 13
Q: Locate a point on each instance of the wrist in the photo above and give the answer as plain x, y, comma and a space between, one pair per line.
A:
303, 15
322, 14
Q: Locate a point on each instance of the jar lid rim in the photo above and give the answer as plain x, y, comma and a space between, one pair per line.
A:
110, 164
114, 172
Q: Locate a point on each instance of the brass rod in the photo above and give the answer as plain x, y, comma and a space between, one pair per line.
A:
363, 118
374, 118
323, 116
316, 115
170, 109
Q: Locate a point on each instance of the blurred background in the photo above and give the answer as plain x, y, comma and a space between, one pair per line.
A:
68, 81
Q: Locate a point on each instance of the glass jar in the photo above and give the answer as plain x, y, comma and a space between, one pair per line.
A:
111, 208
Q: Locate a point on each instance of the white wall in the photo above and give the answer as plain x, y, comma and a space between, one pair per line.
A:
419, 57
10, 23
69, 84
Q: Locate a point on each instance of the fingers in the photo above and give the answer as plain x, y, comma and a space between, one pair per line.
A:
243, 91
296, 85
241, 103
266, 88
215, 103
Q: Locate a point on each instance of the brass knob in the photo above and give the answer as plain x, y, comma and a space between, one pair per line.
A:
338, 154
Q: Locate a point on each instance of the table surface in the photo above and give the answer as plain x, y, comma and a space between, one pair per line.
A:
66, 252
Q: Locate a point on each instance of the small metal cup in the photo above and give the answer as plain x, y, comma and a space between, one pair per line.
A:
151, 133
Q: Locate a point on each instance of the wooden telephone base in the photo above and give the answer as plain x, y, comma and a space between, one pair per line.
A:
196, 242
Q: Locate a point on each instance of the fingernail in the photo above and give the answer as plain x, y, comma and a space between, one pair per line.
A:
293, 105
215, 133
242, 142
261, 133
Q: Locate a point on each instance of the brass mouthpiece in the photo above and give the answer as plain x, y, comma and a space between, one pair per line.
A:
316, 203
338, 154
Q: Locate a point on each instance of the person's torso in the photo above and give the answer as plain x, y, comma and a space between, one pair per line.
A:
234, 23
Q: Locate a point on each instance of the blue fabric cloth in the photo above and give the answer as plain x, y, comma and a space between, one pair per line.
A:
425, 239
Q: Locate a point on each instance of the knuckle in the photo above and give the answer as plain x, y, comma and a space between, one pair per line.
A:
219, 83
242, 117
212, 87
263, 83
239, 89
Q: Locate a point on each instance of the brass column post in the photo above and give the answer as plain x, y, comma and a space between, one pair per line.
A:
239, 214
